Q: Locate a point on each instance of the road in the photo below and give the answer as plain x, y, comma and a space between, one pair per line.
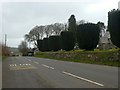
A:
31, 72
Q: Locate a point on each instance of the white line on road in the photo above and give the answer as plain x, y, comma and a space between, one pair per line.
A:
47, 66
82, 78
36, 62
51, 67
13, 65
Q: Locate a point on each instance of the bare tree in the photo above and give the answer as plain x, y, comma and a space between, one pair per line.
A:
81, 22
35, 34
27, 37
23, 48
58, 27
41, 31
48, 30
38, 32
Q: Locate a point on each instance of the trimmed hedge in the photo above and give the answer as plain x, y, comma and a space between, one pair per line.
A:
54, 43
40, 45
114, 26
45, 44
67, 40
88, 36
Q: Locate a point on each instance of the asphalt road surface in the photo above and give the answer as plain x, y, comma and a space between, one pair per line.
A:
31, 72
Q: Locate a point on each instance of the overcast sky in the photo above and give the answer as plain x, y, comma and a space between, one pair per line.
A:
18, 18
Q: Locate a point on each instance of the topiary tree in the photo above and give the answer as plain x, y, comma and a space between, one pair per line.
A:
72, 25
54, 43
67, 40
88, 36
114, 26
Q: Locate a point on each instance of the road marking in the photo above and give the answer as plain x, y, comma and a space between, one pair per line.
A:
51, 67
47, 66
36, 62
14, 64
82, 78
21, 66
29, 60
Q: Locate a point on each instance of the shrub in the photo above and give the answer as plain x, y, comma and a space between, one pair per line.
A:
67, 40
88, 36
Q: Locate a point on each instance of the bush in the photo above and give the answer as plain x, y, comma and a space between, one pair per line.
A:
88, 36
114, 26
67, 40
54, 43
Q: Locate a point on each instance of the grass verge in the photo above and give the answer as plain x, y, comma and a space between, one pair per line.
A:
3, 57
100, 57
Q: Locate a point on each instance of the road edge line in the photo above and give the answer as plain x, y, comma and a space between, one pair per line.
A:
93, 82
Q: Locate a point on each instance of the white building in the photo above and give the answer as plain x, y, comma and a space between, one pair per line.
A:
105, 42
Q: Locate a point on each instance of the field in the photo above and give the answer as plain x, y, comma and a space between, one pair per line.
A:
102, 57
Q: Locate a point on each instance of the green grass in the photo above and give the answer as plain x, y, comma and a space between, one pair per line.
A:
101, 57
0, 57
3, 57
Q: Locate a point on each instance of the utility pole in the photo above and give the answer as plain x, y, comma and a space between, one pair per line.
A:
5, 40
